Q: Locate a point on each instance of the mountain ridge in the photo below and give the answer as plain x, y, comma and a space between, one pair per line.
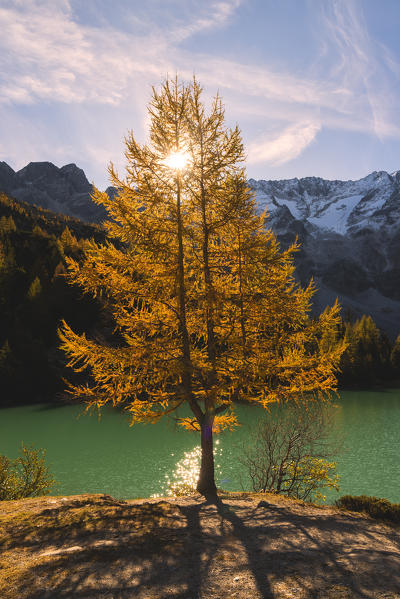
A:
65, 189
349, 230
334, 205
350, 238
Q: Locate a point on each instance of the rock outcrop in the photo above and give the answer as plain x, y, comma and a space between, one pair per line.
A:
65, 190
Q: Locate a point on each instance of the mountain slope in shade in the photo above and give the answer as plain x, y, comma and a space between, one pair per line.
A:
65, 190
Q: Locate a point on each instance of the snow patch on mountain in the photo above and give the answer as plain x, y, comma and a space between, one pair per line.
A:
349, 232
335, 216
336, 206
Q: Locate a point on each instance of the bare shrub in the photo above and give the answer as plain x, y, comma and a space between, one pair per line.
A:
291, 452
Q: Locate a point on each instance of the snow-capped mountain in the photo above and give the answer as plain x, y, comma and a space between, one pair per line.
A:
350, 238
342, 207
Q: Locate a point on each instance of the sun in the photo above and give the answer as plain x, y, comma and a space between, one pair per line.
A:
177, 160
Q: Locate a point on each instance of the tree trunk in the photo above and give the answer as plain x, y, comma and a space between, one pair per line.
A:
206, 483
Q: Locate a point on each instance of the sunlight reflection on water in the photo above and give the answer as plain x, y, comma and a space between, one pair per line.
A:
183, 479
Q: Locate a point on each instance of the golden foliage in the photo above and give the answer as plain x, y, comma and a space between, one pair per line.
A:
205, 304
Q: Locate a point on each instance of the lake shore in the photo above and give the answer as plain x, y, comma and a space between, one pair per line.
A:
108, 456
247, 546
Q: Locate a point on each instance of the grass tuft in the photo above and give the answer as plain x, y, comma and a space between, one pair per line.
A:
380, 509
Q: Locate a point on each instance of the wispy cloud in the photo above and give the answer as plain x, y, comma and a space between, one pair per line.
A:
286, 146
51, 56
48, 54
211, 16
362, 65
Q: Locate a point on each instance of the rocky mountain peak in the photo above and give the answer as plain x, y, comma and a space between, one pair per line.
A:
337, 206
7, 177
76, 177
65, 190
396, 176
35, 171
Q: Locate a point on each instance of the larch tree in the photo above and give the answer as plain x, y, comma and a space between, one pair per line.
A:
206, 308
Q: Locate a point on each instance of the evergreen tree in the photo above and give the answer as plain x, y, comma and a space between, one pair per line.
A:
366, 359
206, 307
39, 231
7, 225
59, 271
395, 356
3, 256
35, 289
68, 240
347, 362
5, 358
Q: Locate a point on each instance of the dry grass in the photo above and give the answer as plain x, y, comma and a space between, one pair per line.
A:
94, 547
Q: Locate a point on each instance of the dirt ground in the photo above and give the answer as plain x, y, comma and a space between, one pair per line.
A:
245, 547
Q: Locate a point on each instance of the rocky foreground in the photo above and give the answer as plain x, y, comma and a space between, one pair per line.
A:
247, 546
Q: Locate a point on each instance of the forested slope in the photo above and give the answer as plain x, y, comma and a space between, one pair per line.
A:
34, 296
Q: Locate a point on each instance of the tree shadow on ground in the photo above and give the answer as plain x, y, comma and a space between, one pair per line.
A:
116, 550
320, 552
119, 551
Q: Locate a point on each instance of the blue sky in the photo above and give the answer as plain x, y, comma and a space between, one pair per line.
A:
313, 84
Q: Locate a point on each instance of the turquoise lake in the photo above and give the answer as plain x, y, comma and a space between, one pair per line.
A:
88, 455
